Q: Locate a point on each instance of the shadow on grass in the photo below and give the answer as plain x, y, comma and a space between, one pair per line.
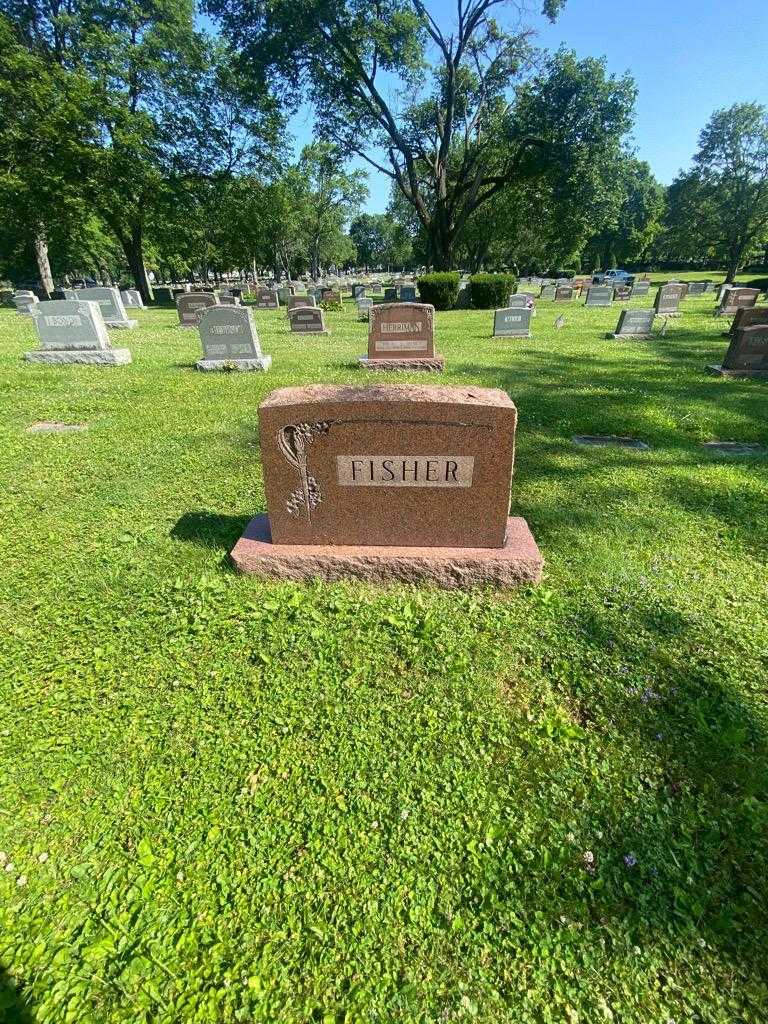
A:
210, 530
14, 1009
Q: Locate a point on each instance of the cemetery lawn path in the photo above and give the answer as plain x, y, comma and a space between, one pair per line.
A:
225, 800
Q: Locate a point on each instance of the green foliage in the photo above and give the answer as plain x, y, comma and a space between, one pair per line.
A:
380, 241
719, 209
441, 289
490, 291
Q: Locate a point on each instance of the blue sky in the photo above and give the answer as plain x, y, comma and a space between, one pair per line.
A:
688, 58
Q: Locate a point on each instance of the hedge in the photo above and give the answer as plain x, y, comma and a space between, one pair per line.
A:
440, 289
491, 291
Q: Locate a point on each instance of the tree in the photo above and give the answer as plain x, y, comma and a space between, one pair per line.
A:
332, 196
44, 128
161, 102
438, 150
379, 240
627, 236
720, 206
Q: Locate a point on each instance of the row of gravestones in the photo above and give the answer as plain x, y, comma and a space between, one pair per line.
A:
111, 301
400, 336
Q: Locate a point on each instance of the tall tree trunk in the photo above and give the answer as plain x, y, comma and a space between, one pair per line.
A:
43, 263
133, 248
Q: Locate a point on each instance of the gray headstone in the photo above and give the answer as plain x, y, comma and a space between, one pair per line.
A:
635, 323
407, 293
520, 300
307, 320
190, 306
301, 300
563, 293
358, 291
132, 298
667, 301
390, 294
363, 305
164, 295
548, 291
640, 288
229, 300
112, 308
697, 287
230, 340
512, 323
73, 331
24, 302
266, 298
599, 295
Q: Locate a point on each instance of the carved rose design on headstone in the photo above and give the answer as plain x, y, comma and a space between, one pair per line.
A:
292, 440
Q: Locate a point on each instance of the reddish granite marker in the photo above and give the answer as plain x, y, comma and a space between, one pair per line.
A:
401, 337
391, 482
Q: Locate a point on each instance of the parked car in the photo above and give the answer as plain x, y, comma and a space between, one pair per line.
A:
611, 277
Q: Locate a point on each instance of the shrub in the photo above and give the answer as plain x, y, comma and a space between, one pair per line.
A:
440, 289
491, 291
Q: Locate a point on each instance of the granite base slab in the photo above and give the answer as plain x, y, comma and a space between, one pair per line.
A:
517, 563
121, 325
430, 364
234, 365
101, 356
722, 372
630, 337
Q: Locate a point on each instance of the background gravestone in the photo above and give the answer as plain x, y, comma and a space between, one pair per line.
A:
401, 337
667, 301
520, 300
390, 294
599, 295
112, 308
230, 341
363, 305
747, 354
747, 316
306, 320
734, 299
266, 298
634, 323
548, 291
229, 300
563, 293
190, 306
164, 296
358, 291
640, 288
73, 331
622, 293
131, 298
407, 293
696, 287
514, 322
297, 301
24, 302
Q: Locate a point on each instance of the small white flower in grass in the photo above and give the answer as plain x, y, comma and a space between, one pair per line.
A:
571, 837
43, 858
9, 866
3, 857
21, 880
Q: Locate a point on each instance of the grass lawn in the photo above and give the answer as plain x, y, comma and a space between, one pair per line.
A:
227, 800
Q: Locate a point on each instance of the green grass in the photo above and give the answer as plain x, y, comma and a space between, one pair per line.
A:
268, 802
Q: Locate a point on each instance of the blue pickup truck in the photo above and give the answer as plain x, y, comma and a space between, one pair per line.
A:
612, 277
